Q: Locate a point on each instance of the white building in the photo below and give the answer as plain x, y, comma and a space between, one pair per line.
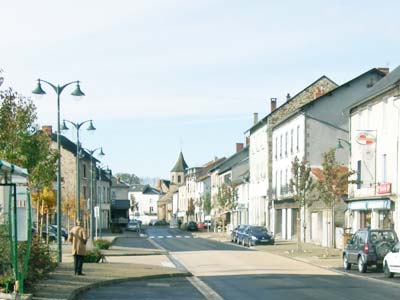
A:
374, 122
143, 203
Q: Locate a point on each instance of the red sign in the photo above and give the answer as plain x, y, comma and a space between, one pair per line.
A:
365, 138
384, 188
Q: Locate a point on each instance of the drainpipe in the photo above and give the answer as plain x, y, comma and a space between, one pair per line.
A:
397, 157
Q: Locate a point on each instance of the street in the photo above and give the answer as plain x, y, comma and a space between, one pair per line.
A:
227, 271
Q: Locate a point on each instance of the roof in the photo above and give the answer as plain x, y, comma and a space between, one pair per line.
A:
231, 161
115, 182
204, 173
263, 120
241, 171
329, 94
149, 190
71, 146
180, 165
386, 83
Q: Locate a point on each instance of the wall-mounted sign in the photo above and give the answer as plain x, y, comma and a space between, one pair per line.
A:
384, 188
365, 138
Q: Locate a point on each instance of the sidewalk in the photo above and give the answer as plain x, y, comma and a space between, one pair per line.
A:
63, 284
314, 254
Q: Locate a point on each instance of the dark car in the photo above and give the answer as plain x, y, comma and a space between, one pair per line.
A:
64, 232
191, 226
133, 226
257, 235
237, 233
52, 237
368, 247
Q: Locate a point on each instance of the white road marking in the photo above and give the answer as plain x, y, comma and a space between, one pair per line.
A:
160, 236
187, 236
168, 264
169, 236
178, 236
151, 237
203, 288
158, 284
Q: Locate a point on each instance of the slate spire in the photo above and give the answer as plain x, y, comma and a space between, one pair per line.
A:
180, 165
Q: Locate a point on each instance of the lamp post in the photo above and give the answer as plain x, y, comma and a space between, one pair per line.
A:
78, 187
91, 152
77, 93
339, 143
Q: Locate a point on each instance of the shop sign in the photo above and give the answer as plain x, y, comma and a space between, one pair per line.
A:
369, 204
365, 138
384, 188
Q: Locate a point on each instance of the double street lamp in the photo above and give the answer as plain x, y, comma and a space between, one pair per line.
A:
91, 152
78, 187
77, 93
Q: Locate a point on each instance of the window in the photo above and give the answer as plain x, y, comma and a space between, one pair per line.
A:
286, 143
280, 152
298, 139
84, 192
280, 180
291, 141
113, 195
276, 148
358, 174
151, 209
179, 178
384, 170
84, 171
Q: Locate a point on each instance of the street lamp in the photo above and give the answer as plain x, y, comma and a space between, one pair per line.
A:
91, 152
78, 187
339, 144
77, 93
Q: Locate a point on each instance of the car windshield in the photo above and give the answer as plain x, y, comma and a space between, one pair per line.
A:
259, 230
379, 236
133, 222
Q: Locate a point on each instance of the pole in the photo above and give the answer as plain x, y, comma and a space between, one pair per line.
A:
59, 247
91, 227
78, 188
15, 240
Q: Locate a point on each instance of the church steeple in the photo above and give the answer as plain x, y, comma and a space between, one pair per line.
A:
178, 171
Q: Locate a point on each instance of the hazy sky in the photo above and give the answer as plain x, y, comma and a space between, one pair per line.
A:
161, 76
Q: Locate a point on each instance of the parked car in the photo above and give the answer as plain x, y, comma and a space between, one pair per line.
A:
257, 235
237, 233
160, 223
64, 231
191, 226
391, 262
52, 236
133, 226
368, 247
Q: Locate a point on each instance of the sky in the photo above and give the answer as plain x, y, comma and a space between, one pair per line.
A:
171, 75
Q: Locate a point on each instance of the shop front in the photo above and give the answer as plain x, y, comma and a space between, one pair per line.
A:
376, 213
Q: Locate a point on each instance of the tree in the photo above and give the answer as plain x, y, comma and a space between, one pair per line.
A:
226, 200
207, 205
333, 185
128, 178
21, 141
301, 185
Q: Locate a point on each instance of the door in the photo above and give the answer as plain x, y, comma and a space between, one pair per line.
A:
352, 248
394, 260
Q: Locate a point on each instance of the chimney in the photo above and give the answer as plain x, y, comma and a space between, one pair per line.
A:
239, 147
48, 129
288, 97
384, 70
255, 118
273, 104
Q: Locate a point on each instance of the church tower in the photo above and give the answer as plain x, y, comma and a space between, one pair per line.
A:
178, 171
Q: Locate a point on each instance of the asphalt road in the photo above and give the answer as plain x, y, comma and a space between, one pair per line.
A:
175, 240
226, 271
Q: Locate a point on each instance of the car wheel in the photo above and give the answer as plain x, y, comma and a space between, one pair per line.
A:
243, 243
387, 272
249, 243
362, 267
346, 263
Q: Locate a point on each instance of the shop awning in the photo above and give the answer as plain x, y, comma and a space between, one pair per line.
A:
368, 204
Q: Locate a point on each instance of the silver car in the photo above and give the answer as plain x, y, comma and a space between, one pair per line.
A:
133, 226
